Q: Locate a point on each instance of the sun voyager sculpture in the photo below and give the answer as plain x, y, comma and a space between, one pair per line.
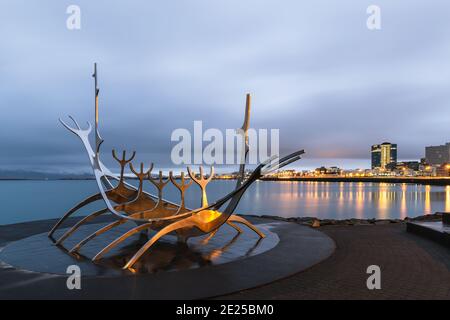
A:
128, 203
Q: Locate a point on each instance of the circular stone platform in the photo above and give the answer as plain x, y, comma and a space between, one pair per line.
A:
33, 267
166, 255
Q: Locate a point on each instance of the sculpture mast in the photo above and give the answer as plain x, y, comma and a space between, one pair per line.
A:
98, 139
244, 131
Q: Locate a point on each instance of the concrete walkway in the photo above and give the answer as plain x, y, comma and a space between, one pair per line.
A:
411, 268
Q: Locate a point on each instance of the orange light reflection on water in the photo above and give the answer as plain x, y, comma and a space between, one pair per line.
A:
447, 198
341, 200
427, 203
403, 203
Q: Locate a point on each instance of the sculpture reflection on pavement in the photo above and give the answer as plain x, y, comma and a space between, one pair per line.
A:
149, 212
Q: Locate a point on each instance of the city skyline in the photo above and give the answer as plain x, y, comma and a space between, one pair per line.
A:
307, 164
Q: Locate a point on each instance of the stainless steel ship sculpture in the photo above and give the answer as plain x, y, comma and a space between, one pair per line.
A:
126, 202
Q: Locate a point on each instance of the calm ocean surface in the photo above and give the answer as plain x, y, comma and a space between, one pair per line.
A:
35, 200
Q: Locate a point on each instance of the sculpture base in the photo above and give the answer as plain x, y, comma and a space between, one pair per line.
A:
34, 267
166, 255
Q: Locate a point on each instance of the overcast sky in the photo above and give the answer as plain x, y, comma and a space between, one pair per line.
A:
315, 71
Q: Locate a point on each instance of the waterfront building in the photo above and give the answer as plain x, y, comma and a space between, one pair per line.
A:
428, 171
376, 156
413, 165
443, 170
406, 168
286, 174
329, 171
410, 165
437, 155
383, 155
356, 173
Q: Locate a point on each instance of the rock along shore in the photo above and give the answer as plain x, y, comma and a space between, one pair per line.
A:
315, 222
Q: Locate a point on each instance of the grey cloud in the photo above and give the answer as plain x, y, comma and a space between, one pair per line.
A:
315, 72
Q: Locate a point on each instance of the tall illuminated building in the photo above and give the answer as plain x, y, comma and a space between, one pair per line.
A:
383, 155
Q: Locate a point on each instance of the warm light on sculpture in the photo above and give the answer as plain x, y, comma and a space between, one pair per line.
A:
149, 212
